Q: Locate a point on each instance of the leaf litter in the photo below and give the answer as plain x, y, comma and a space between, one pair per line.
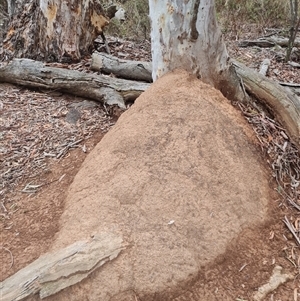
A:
34, 130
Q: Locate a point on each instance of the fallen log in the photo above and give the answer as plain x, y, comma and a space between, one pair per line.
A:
294, 64
135, 70
285, 105
36, 74
55, 271
268, 42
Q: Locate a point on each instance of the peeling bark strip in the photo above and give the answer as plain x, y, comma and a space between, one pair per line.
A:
185, 35
101, 88
55, 271
54, 30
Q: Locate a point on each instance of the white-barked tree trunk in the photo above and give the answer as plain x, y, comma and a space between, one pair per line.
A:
185, 35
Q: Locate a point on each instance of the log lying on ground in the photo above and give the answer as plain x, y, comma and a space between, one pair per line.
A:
101, 88
294, 64
123, 68
284, 104
53, 272
268, 42
294, 88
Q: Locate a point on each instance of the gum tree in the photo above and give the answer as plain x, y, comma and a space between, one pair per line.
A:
185, 34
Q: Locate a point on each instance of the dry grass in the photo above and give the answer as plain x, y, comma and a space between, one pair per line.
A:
264, 13
3, 21
137, 24
231, 13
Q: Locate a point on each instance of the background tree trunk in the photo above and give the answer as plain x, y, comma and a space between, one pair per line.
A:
185, 35
54, 30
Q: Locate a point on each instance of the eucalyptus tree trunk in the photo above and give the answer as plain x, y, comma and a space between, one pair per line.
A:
185, 35
295, 23
53, 30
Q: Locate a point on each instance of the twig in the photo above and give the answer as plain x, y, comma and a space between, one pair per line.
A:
4, 208
65, 149
32, 188
243, 266
11, 256
292, 229
294, 204
270, 34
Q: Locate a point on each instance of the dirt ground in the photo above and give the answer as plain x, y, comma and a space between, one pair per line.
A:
39, 158
28, 231
30, 214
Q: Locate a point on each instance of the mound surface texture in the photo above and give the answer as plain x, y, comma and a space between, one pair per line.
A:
178, 178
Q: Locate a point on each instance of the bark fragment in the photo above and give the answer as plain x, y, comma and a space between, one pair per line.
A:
55, 271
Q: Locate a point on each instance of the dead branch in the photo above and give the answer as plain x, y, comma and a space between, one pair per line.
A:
284, 104
264, 67
135, 70
294, 64
36, 74
294, 85
268, 42
55, 271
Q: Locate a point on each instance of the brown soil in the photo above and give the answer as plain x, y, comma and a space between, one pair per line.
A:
30, 230
35, 131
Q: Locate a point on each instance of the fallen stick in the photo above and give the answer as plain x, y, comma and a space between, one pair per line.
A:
268, 42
